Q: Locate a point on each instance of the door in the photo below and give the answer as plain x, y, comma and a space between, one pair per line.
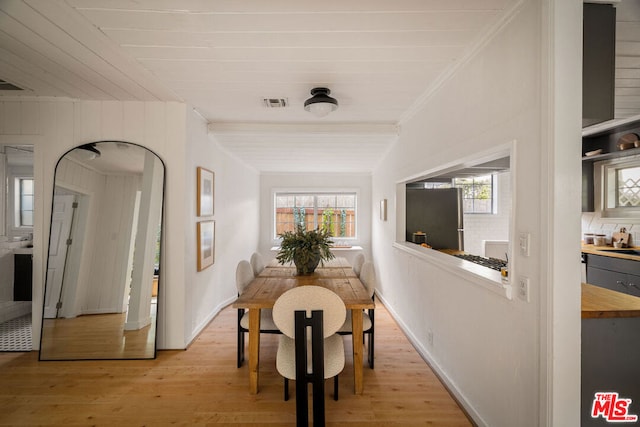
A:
61, 219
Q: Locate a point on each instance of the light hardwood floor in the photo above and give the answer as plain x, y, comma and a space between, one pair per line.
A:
96, 336
202, 386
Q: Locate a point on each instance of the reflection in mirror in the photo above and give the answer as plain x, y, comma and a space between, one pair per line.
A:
104, 254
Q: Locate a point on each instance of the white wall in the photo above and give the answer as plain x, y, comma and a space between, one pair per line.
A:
479, 227
490, 350
55, 126
236, 216
6, 272
270, 182
592, 222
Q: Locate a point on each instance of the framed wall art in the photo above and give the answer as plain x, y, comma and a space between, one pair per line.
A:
205, 192
206, 244
383, 209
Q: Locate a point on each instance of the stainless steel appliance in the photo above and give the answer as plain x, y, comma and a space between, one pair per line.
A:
438, 213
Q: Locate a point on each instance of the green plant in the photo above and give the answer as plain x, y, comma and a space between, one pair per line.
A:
299, 217
327, 221
306, 248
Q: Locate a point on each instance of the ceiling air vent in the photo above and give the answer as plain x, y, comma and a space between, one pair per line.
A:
8, 86
275, 102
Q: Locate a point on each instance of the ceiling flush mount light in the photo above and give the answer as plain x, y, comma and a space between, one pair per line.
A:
90, 151
320, 103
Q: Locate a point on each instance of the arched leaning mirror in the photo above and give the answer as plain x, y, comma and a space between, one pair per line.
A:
104, 254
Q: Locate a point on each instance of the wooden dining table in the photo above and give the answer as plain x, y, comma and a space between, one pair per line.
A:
336, 275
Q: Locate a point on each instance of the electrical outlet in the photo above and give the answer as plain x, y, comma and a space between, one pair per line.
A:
430, 337
524, 243
523, 288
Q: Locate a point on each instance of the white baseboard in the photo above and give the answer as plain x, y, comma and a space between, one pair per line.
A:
208, 319
426, 356
136, 325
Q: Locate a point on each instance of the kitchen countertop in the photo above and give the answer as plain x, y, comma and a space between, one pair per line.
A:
601, 303
23, 251
610, 251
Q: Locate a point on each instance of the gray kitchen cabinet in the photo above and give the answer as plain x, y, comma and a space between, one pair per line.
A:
610, 354
622, 275
23, 277
598, 63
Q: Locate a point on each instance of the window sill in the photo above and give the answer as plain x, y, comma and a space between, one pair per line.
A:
632, 217
338, 248
474, 273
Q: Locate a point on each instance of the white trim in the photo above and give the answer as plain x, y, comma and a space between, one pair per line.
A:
13, 208
604, 189
343, 248
200, 327
137, 324
31, 139
261, 129
311, 190
474, 273
316, 174
558, 313
496, 152
483, 276
608, 125
611, 2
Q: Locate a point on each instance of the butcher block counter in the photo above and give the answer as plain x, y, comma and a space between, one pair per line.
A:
610, 251
600, 303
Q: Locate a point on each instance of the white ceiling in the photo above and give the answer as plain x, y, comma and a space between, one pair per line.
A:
380, 59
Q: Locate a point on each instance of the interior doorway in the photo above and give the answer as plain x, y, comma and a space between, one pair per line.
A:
17, 201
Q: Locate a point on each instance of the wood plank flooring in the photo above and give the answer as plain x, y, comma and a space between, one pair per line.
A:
96, 336
202, 386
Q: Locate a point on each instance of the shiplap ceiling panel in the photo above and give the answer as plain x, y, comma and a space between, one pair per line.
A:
34, 82
49, 76
269, 40
291, 55
336, 153
288, 6
378, 57
318, 22
54, 41
627, 77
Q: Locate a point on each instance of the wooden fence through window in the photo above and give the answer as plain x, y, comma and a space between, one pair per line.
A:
342, 222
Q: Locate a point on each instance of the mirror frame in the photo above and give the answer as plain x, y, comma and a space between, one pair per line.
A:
160, 255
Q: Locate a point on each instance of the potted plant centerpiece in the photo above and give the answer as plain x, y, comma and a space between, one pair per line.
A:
306, 248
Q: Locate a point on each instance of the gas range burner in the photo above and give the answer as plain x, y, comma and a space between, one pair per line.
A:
493, 263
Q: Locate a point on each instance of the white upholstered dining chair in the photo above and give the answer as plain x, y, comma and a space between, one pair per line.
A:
358, 260
257, 263
244, 276
309, 356
368, 279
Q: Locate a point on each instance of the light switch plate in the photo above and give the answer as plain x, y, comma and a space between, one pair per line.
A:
523, 288
524, 243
